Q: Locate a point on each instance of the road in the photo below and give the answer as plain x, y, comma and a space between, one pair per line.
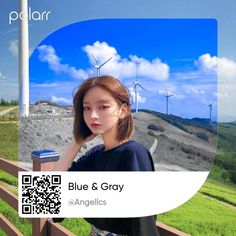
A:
4, 112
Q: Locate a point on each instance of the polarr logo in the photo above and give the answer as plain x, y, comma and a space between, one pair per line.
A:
32, 15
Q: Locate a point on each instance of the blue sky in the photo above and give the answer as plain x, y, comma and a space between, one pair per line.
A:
165, 52
75, 11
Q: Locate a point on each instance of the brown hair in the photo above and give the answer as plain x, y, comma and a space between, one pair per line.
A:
120, 94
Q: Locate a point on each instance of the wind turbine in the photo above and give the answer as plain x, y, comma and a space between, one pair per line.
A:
24, 61
167, 100
136, 85
2, 77
210, 110
99, 65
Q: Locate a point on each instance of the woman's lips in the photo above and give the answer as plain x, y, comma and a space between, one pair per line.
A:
95, 125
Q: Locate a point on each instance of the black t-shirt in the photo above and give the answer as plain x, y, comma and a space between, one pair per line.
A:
129, 156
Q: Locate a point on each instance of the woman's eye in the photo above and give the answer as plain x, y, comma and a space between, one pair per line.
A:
104, 107
86, 108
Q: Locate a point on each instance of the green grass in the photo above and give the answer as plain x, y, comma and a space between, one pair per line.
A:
13, 112
9, 141
202, 215
21, 224
7, 178
219, 191
2, 108
2, 233
225, 161
227, 137
218, 173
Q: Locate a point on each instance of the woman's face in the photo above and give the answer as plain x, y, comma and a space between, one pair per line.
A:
101, 111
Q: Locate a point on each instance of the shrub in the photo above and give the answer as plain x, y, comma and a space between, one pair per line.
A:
188, 150
225, 174
176, 124
232, 174
155, 127
202, 136
152, 133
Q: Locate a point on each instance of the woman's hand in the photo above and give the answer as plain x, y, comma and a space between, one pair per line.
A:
70, 153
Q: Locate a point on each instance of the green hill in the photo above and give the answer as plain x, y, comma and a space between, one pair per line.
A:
224, 167
225, 161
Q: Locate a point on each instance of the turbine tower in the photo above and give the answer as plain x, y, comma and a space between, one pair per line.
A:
210, 110
136, 85
24, 61
99, 65
167, 101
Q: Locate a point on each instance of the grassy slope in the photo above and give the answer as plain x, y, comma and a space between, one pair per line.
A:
2, 108
203, 215
9, 141
225, 159
219, 191
199, 216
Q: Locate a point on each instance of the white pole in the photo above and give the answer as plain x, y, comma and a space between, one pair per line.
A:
24, 61
136, 97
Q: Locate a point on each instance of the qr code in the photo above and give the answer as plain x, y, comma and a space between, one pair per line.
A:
41, 194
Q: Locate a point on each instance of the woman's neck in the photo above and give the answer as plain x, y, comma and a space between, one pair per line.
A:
110, 143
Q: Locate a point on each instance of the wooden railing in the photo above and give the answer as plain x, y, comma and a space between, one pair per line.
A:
41, 226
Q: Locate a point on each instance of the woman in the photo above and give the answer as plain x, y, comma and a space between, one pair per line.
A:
102, 107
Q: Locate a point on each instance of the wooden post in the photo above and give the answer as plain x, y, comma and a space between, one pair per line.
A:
43, 160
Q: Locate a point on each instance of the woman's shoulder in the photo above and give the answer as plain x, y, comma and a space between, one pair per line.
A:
137, 157
133, 145
94, 150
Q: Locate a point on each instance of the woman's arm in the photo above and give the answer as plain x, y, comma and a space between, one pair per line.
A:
64, 162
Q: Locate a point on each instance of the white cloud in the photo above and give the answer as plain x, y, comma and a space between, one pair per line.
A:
179, 96
189, 75
226, 100
171, 91
60, 99
117, 66
48, 54
224, 67
194, 90
221, 95
226, 70
140, 99
154, 69
125, 67
207, 63
13, 47
101, 52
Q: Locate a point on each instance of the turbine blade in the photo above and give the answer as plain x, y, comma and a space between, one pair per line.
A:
166, 92
95, 59
105, 62
141, 86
